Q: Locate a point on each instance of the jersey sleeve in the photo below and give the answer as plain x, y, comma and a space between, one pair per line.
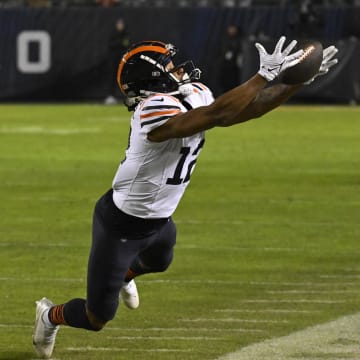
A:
157, 110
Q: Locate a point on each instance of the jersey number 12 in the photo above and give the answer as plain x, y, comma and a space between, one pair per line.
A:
185, 151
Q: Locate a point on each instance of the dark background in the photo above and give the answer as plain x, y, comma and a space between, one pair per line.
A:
79, 38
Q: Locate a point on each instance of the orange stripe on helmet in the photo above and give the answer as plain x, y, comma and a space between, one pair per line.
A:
133, 52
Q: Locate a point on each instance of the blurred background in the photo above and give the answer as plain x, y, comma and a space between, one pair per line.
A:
68, 50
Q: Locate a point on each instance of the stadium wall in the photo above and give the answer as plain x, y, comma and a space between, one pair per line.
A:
60, 54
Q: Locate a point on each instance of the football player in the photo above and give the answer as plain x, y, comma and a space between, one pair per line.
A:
133, 232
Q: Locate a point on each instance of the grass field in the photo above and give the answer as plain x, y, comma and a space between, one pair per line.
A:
268, 233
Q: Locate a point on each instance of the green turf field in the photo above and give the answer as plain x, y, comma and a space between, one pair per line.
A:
268, 233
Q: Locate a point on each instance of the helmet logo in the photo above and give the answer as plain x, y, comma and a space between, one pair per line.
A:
152, 62
156, 73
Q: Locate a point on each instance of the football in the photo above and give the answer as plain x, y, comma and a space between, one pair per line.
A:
309, 64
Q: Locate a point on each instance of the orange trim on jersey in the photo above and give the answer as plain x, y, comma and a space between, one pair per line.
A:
166, 95
200, 85
159, 94
159, 113
133, 52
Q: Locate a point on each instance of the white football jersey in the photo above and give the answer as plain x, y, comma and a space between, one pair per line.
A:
152, 178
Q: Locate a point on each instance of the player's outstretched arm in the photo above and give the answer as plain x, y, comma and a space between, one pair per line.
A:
267, 100
274, 96
228, 109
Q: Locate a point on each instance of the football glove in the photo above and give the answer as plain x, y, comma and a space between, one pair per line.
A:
327, 62
272, 65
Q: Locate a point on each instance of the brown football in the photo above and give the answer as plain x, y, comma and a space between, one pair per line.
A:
309, 64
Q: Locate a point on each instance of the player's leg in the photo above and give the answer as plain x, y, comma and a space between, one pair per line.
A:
158, 255
108, 264
155, 258
110, 257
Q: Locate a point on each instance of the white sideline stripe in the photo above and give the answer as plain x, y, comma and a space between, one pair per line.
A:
42, 130
270, 311
134, 349
325, 341
235, 320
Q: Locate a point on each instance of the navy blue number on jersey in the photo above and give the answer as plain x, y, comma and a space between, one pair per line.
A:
185, 151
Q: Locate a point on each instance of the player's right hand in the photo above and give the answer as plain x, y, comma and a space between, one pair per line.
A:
272, 65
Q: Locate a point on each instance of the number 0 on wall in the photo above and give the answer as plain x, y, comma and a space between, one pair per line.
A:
43, 61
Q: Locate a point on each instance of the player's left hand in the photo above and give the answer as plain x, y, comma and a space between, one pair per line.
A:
327, 62
272, 65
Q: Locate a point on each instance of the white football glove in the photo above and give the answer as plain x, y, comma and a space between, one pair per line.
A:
272, 65
327, 62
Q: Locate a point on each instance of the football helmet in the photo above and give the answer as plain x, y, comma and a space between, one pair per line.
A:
142, 70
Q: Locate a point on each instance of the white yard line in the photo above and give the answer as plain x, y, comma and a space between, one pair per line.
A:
145, 330
257, 223
9, 326
338, 339
47, 131
185, 329
129, 350
270, 311
304, 301
250, 321
39, 280
241, 248
350, 276
215, 282
186, 338
330, 291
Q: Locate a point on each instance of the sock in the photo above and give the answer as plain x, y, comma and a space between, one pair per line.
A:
130, 275
56, 315
72, 313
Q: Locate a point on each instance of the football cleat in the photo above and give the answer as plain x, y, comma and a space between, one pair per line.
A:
129, 295
44, 332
